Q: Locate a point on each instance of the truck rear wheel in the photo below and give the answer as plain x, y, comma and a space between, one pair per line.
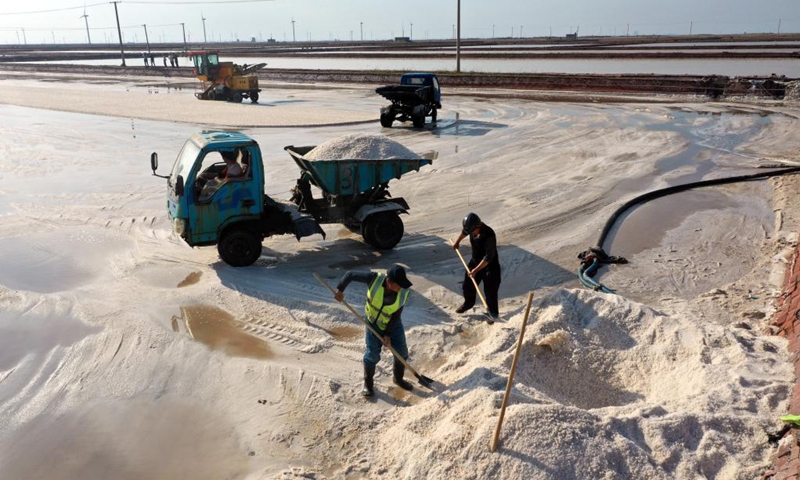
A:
237, 97
387, 119
418, 120
254, 97
383, 230
239, 248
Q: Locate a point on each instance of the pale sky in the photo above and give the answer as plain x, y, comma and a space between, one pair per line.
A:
336, 19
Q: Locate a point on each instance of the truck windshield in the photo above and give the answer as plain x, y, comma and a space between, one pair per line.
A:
184, 162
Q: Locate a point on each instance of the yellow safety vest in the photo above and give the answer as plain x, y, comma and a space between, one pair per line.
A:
378, 313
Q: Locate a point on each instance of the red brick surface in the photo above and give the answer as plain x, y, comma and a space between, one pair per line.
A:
786, 459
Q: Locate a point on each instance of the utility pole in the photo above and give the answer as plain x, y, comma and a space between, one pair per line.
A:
411, 35
54, 36
779, 25
454, 31
362, 31
458, 38
183, 27
691, 27
86, 20
119, 31
551, 32
146, 38
493, 30
205, 39
351, 35
294, 39
24, 37
628, 31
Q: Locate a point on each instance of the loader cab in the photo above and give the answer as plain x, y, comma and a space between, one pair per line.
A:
206, 63
424, 80
210, 200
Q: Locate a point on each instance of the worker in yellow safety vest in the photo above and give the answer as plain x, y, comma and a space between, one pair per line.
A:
386, 296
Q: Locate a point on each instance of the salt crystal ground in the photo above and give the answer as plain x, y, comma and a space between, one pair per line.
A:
101, 378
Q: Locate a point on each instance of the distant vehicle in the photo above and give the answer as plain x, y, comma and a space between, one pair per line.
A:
418, 96
208, 207
224, 80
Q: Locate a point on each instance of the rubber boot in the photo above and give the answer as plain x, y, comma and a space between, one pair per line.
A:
399, 371
369, 373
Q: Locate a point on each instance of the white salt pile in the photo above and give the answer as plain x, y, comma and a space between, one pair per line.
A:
360, 146
637, 395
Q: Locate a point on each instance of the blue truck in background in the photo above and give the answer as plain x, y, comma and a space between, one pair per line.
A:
206, 206
418, 96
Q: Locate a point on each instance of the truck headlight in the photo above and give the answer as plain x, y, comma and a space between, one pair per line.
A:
179, 226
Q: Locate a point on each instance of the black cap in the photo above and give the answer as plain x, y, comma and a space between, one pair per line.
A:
397, 274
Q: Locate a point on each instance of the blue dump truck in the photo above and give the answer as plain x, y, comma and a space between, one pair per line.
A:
215, 196
418, 96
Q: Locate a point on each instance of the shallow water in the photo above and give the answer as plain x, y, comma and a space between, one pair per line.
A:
729, 67
219, 330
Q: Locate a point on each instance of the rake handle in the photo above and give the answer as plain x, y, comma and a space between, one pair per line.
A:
510, 382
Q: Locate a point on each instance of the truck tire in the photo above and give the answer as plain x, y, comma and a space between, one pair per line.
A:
254, 97
239, 247
386, 120
237, 97
383, 230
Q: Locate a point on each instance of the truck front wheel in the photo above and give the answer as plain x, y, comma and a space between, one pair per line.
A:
387, 119
383, 230
239, 248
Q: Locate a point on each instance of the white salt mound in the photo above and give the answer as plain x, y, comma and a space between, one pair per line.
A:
360, 146
639, 395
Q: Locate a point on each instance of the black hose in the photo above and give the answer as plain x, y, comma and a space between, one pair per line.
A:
680, 188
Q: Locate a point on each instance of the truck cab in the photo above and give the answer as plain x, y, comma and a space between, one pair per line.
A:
424, 80
207, 206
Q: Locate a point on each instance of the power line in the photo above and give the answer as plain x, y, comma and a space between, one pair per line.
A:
53, 9
205, 2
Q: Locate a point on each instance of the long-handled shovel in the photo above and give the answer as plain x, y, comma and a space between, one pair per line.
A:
489, 320
423, 380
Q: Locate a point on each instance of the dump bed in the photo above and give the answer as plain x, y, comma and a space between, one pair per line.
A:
407, 94
350, 177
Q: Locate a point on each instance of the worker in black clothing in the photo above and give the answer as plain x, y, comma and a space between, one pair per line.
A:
387, 293
484, 266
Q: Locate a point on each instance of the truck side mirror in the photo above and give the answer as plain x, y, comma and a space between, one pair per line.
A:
154, 162
179, 186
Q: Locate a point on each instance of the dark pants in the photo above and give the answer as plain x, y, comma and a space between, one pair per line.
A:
490, 276
397, 336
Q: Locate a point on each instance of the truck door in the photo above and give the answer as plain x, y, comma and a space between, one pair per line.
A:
219, 198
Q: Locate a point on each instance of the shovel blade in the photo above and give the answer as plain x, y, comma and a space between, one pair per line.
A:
424, 381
